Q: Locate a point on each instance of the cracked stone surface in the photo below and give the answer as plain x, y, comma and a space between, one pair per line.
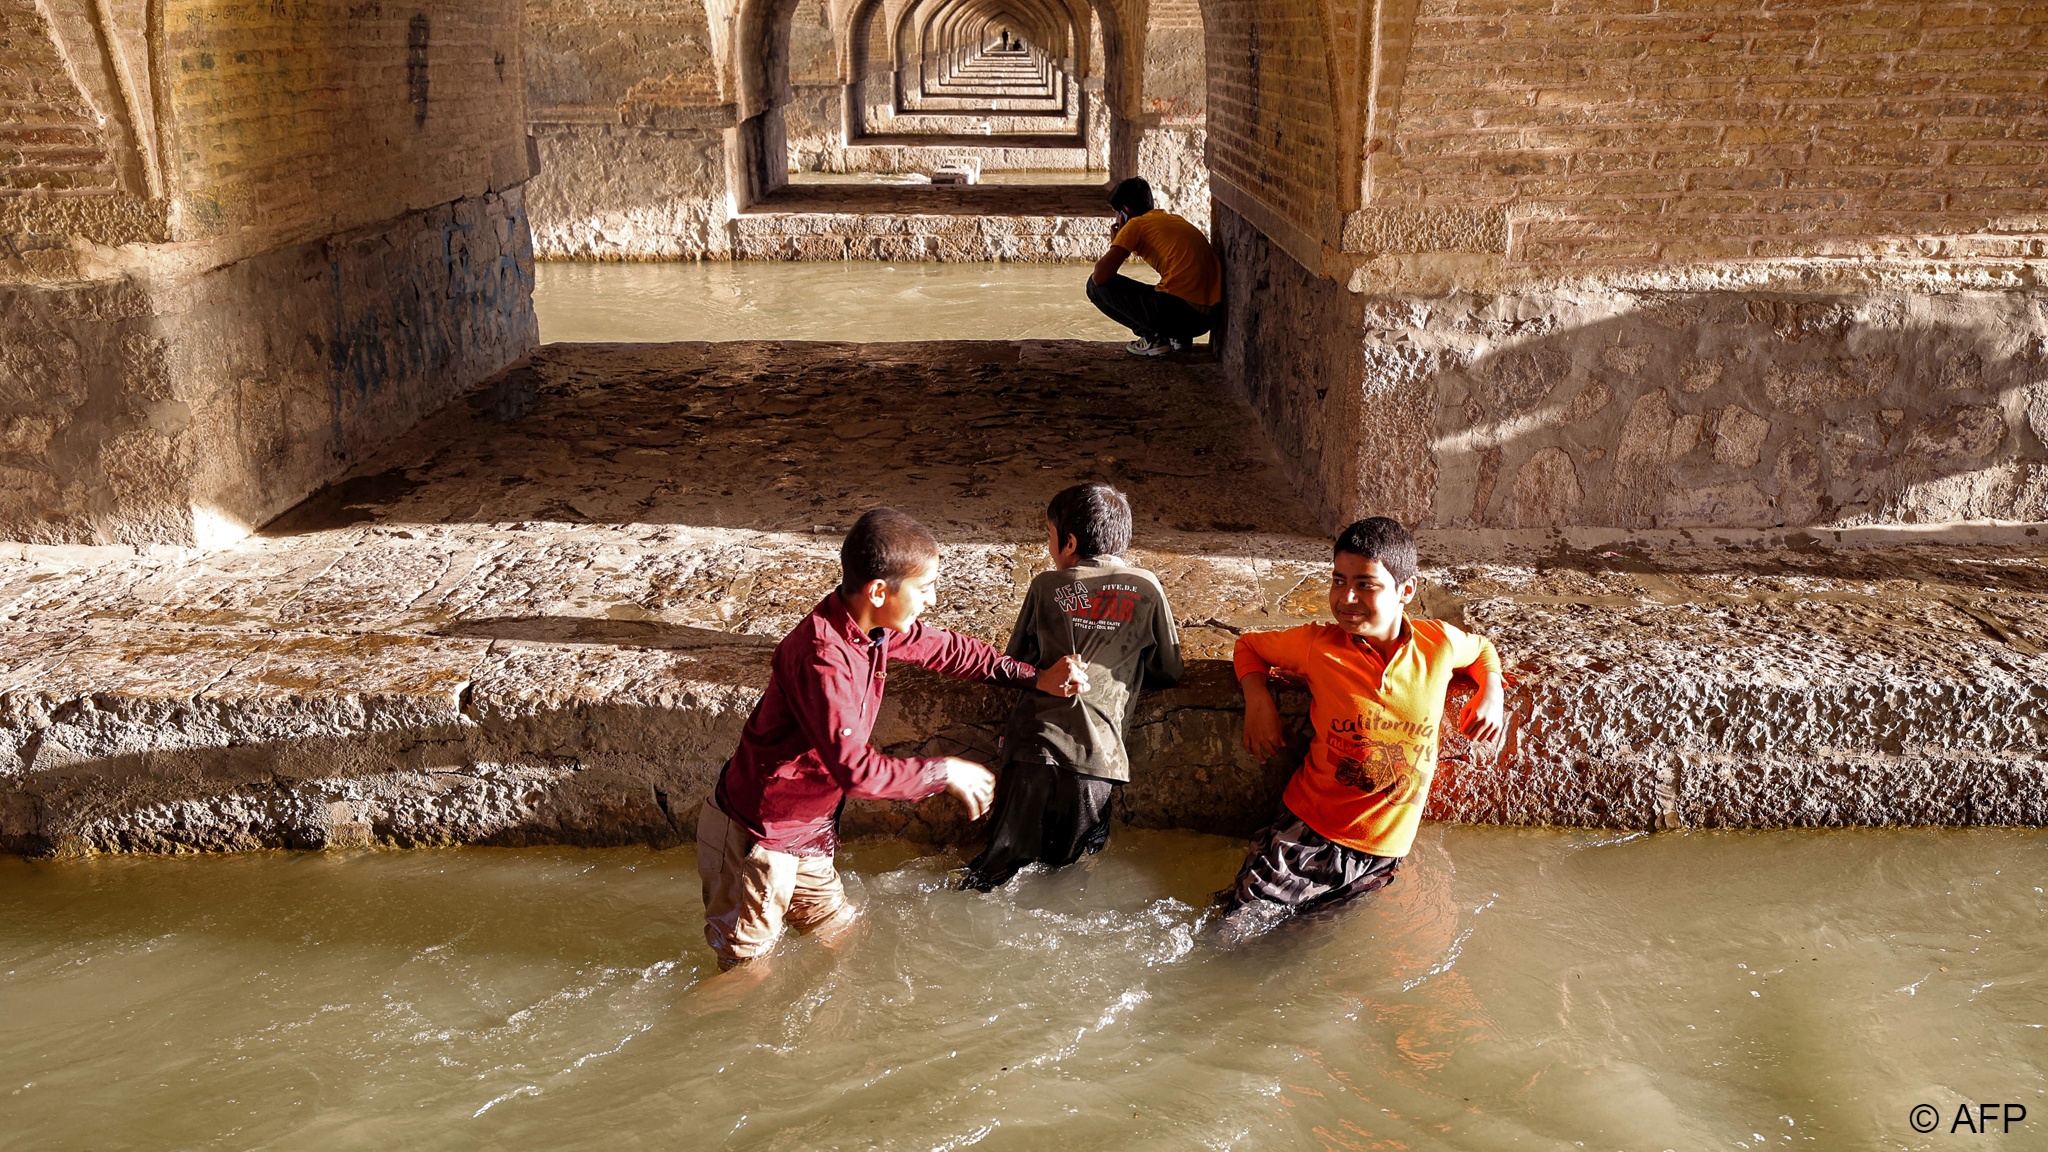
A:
543, 616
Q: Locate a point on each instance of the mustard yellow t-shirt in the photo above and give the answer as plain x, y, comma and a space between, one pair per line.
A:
1178, 251
1376, 724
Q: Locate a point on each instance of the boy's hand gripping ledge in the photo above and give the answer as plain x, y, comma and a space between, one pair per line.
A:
1483, 719
1263, 736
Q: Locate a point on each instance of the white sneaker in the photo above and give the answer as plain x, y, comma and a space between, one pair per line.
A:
1144, 347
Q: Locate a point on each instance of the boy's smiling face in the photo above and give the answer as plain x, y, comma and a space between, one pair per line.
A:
1366, 599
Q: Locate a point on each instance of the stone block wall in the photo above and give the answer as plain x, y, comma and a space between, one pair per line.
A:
1649, 408
620, 192
1172, 144
1287, 345
1737, 409
190, 411
916, 237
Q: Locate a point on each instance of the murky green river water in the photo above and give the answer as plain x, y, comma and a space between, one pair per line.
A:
853, 300
1514, 989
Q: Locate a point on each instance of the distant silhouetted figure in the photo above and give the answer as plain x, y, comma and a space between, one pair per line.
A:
1006, 39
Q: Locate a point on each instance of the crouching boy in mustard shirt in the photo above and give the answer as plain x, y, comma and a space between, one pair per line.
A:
1376, 681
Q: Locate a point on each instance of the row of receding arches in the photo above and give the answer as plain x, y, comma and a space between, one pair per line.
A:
939, 62
1011, 73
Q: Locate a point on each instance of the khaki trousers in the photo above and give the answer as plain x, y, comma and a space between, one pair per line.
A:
751, 892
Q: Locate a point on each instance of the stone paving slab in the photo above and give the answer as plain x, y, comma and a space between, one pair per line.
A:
544, 614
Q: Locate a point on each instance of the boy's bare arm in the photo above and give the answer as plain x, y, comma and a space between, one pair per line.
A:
1263, 736
1484, 716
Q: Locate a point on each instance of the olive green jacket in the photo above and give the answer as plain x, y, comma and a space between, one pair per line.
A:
1115, 617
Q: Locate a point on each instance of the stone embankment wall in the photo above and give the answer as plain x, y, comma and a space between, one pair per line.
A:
1634, 708
239, 253
660, 127
915, 236
543, 615
1683, 268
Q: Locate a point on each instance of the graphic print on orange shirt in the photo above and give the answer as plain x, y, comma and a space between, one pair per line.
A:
1377, 722
1374, 756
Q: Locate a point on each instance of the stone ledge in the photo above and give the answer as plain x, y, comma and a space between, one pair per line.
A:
544, 615
210, 743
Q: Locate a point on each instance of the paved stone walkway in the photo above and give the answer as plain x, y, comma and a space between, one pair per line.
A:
544, 614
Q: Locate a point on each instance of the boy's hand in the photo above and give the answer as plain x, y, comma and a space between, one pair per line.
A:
1069, 677
1483, 719
971, 784
1263, 736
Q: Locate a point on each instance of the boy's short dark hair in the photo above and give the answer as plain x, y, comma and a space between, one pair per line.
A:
1133, 196
1384, 540
885, 544
1095, 515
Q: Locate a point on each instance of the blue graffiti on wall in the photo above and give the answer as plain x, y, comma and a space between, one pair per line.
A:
410, 332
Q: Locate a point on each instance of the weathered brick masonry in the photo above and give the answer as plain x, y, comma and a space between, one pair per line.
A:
1701, 131
48, 133
1273, 121
275, 237
1644, 264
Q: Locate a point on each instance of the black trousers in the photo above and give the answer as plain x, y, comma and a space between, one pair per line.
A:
1044, 814
1290, 864
1147, 311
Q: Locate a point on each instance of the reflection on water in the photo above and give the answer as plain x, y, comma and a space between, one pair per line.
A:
843, 300
1514, 989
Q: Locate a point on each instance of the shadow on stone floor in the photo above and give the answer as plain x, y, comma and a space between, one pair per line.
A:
971, 437
649, 634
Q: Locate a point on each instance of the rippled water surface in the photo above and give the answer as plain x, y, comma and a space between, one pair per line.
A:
851, 300
1514, 989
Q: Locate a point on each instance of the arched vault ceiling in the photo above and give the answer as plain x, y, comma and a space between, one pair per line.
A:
938, 25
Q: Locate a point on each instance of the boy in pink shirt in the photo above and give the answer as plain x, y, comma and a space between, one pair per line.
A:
766, 837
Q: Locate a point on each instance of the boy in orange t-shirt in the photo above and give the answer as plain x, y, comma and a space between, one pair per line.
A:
1376, 681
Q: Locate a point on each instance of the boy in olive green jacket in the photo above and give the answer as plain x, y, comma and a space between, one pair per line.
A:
1063, 758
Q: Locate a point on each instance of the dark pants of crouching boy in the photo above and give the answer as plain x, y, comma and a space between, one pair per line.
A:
1291, 869
1044, 814
1147, 311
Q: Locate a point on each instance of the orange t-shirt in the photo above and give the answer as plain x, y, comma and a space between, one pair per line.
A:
1376, 724
1178, 251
